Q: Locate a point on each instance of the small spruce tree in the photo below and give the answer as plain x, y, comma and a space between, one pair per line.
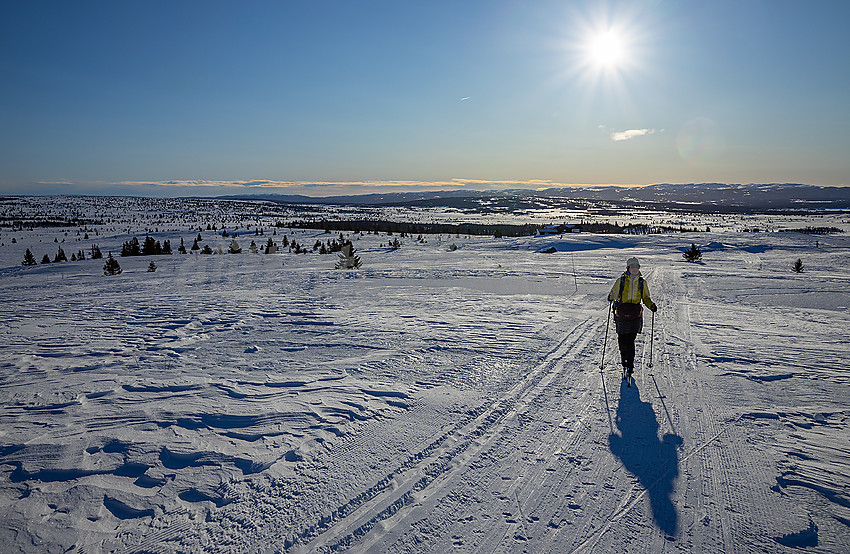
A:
798, 266
29, 259
45, 259
347, 258
111, 267
151, 247
60, 256
693, 254
151, 267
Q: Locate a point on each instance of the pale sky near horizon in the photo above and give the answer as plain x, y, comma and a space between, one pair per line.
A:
168, 98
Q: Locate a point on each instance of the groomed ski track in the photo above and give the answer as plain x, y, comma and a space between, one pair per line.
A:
535, 471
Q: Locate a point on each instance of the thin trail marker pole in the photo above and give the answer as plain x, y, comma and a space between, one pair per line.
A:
651, 339
607, 324
575, 276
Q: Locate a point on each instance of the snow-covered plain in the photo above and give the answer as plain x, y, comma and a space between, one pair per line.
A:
434, 400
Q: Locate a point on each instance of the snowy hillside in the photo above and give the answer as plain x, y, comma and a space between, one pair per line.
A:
437, 399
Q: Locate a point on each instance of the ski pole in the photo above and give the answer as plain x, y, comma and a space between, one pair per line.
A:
607, 323
651, 338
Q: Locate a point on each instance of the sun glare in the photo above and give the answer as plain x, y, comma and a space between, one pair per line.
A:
606, 50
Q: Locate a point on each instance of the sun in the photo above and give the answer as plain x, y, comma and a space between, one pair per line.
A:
606, 50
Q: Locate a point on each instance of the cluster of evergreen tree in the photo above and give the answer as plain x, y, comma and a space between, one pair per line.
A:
331, 246
641, 229
296, 248
365, 226
29, 258
496, 230
815, 230
150, 247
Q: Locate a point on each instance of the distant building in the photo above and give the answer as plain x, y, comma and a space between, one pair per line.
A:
548, 230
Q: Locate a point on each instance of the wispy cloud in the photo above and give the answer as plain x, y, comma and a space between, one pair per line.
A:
377, 186
204, 187
632, 133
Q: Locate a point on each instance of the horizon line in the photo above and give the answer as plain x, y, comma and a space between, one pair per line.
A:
314, 189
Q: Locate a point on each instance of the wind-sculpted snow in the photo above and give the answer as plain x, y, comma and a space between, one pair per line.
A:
434, 400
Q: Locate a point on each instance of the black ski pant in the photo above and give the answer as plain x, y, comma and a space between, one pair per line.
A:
627, 348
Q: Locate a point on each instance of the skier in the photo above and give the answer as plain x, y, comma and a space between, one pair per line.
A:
626, 294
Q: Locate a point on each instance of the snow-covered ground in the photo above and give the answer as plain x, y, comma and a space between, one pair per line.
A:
434, 400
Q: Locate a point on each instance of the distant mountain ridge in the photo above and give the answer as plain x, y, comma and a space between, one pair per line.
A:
699, 196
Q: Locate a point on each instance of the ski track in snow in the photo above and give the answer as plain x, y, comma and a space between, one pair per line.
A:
432, 401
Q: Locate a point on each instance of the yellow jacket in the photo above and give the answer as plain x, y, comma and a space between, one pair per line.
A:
633, 291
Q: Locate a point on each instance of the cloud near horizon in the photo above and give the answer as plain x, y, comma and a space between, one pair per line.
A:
351, 187
205, 187
630, 134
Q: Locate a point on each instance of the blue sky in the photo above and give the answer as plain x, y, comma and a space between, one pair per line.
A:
326, 97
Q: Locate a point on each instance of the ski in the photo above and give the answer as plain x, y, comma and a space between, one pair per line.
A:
627, 377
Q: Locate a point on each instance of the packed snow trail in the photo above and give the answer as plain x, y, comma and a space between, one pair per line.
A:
544, 477
436, 476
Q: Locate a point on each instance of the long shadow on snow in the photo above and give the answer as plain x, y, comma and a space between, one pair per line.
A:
654, 462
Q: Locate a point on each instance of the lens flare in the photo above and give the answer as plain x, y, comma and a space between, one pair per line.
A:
699, 141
